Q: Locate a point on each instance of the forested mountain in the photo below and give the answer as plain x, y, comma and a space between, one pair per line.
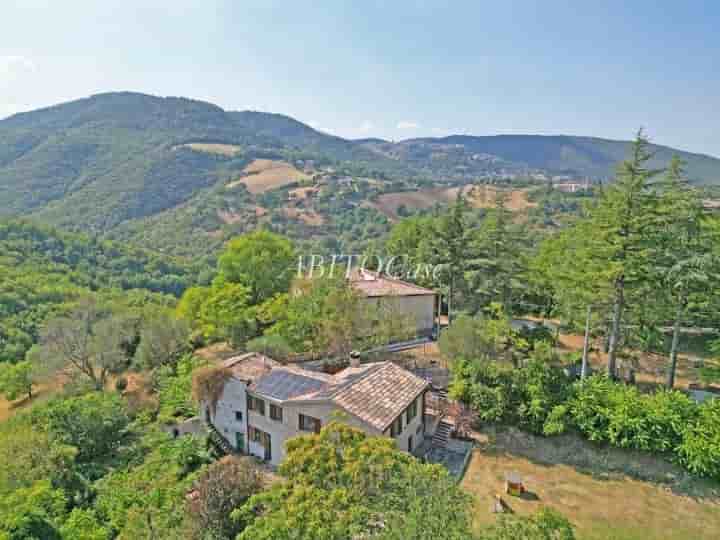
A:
170, 173
556, 154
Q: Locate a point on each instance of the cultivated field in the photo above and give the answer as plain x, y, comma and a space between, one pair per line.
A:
265, 174
597, 488
308, 217
211, 148
479, 196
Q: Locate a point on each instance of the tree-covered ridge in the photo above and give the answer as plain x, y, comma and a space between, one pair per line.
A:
43, 271
122, 159
89, 262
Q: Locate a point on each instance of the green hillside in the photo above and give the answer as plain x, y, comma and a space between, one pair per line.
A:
142, 168
42, 269
582, 156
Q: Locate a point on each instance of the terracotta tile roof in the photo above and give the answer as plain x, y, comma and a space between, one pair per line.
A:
376, 393
250, 366
371, 284
381, 394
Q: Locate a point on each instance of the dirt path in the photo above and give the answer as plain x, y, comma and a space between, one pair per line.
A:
41, 393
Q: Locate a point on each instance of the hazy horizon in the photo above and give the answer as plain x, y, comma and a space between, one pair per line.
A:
394, 72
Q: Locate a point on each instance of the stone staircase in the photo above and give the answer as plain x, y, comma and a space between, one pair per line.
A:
219, 445
442, 434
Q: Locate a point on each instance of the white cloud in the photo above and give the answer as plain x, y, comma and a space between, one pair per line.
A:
405, 124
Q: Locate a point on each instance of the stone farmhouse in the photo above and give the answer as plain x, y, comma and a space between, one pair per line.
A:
419, 304
264, 403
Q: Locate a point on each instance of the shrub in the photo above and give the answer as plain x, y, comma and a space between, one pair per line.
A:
174, 389
699, 451
222, 487
607, 411
539, 388
545, 524
524, 396
489, 403
275, 347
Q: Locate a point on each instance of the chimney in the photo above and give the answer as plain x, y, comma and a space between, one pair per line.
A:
354, 359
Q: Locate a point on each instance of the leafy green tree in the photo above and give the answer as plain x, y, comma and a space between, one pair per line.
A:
480, 338
262, 261
430, 507
94, 424
32, 513
342, 484
321, 315
29, 454
16, 380
387, 323
83, 524
411, 243
164, 339
174, 389
148, 500
226, 314
190, 304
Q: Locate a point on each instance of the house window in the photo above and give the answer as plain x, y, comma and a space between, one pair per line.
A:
238, 416
412, 411
255, 435
308, 423
256, 404
276, 412
397, 426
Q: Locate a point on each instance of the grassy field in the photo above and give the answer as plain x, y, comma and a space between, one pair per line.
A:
598, 489
265, 174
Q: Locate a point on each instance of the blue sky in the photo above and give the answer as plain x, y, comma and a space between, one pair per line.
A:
387, 69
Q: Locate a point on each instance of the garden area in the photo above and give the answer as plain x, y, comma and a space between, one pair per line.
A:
608, 493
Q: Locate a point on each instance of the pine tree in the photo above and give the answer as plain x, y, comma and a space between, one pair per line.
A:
605, 258
452, 248
499, 260
684, 265
622, 230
